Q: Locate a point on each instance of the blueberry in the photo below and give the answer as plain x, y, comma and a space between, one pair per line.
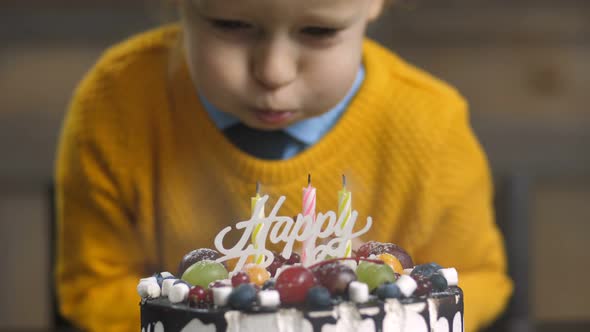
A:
318, 298
242, 297
435, 266
439, 283
159, 278
269, 284
425, 270
388, 291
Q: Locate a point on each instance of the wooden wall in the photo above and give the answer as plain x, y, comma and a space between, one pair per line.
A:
525, 70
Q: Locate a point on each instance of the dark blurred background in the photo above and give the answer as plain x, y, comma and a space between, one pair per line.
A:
524, 65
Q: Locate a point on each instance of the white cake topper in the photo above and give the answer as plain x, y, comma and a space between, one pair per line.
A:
284, 229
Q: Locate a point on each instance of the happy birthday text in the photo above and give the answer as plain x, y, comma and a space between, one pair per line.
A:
284, 229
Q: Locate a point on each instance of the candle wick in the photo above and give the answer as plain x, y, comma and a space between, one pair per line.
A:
308, 179
257, 187
343, 180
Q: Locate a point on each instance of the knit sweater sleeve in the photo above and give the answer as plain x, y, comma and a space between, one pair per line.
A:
465, 235
99, 251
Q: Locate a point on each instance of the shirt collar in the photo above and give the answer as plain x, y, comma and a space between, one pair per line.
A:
221, 119
307, 131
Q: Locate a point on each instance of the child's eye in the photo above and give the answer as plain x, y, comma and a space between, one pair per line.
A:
229, 24
320, 32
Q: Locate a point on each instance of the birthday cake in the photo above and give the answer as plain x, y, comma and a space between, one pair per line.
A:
329, 287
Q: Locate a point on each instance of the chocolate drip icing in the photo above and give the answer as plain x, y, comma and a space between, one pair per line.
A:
378, 319
318, 323
175, 317
449, 306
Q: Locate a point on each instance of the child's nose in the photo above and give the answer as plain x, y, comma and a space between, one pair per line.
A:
274, 65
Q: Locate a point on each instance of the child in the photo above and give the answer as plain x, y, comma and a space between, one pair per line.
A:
168, 134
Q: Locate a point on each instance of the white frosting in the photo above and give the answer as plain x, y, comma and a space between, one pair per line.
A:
196, 325
369, 311
432, 311
366, 325
398, 318
394, 317
320, 314
458, 323
413, 320
285, 320
158, 327
348, 319
442, 325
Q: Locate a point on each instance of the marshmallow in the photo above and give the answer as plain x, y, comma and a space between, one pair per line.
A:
179, 292
408, 271
269, 298
226, 282
165, 275
149, 279
358, 292
407, 285
142, 288
451, 275
148, 289
167, 285
153, 290
221, 295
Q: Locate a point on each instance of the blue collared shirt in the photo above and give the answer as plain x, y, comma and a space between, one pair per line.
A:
308, 131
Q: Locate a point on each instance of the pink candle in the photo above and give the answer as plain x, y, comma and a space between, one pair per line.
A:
309, 198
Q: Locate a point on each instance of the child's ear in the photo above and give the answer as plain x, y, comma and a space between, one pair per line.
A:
375, 8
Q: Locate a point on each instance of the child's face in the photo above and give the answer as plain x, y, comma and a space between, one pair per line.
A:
274, 62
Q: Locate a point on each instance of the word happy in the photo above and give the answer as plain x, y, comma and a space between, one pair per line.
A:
285, 229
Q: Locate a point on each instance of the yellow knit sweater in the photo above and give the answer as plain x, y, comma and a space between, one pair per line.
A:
143, 176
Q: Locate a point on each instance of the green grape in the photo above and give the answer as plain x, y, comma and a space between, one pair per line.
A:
204, 272
361, 270
374, 275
